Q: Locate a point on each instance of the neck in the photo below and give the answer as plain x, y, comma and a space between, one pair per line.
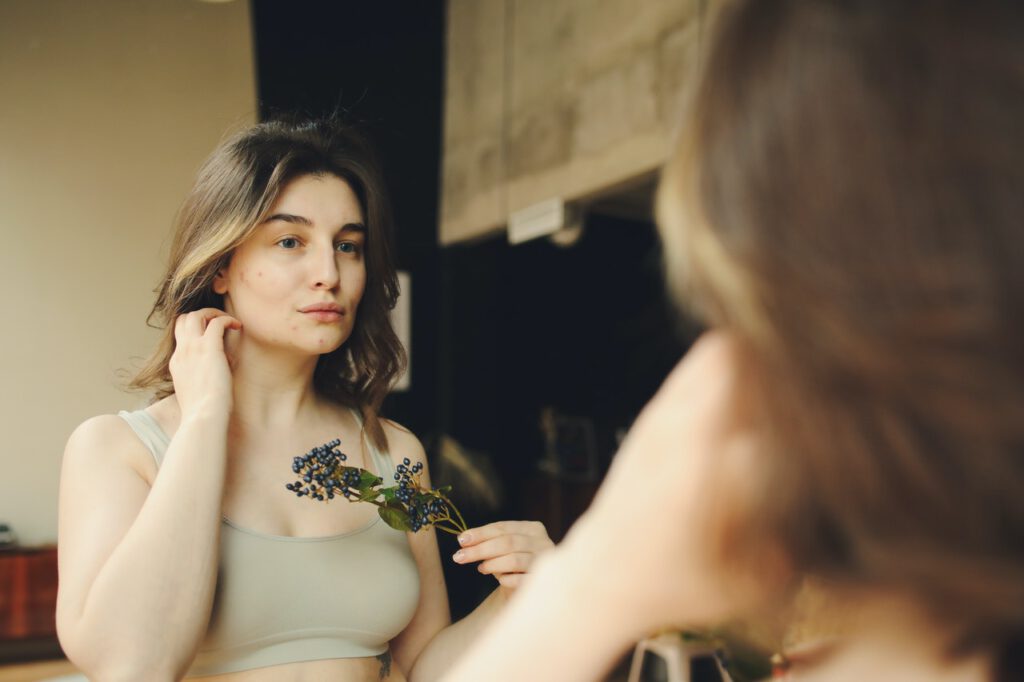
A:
272, 388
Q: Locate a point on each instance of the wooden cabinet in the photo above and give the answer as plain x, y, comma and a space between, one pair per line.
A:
572, 99
28, 593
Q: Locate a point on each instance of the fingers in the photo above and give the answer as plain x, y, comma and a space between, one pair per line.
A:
217, 326
195, 324
506, 549
502, 545
197, 333
518, 562
475, 536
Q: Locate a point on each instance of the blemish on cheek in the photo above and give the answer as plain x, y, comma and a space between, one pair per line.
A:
259, 274
295, 327
320, 342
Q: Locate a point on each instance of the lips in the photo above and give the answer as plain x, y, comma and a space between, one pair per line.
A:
323, 312
322, 308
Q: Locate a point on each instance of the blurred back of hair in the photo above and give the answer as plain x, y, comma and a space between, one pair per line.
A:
847, 197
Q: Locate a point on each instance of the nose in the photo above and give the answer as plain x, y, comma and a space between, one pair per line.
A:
325, 273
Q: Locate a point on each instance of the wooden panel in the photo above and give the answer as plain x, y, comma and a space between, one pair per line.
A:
472, 163
28, 593
585, 98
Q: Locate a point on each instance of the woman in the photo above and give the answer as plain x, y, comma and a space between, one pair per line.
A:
181, 552
845, 209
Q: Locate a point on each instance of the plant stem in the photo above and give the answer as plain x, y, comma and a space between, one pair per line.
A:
462, 522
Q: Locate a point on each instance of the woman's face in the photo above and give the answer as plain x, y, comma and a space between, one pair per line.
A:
296, 282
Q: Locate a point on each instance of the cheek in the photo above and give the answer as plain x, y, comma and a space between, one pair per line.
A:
355, 285
262, 282
254, 290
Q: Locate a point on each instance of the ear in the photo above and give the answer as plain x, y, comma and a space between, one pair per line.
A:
220, 283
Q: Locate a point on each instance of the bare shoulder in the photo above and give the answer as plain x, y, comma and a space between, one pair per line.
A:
107, 441
403, 443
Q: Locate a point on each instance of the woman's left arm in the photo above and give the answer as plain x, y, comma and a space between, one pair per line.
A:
506, 550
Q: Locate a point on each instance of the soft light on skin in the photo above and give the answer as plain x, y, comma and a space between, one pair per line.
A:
308, 251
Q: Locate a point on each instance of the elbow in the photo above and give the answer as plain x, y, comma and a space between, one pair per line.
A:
125, 670
100, 662
75, 651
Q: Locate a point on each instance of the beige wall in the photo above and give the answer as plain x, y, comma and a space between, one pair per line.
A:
106, 110
557, 98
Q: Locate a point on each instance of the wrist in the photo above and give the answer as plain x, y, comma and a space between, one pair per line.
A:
206, 416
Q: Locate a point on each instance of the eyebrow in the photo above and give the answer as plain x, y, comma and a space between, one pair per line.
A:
302, 220
289, 218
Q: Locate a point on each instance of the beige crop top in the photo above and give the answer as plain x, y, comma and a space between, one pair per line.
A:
289, 599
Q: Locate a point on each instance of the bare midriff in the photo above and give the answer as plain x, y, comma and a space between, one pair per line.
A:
376, 669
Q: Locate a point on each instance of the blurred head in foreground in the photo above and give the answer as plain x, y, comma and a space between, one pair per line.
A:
847, 199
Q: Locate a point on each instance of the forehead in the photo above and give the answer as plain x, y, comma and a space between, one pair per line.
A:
322, 199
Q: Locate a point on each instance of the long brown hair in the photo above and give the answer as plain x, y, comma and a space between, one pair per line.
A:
848, 199
232, 194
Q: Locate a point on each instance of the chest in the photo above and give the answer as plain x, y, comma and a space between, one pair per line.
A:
259, 468
298, 599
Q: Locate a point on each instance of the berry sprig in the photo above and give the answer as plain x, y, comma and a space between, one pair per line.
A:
407, 506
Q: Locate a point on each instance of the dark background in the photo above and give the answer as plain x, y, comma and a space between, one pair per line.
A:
499, 331
380, 64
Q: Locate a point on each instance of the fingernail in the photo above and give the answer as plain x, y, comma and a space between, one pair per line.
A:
458, 556
464, 538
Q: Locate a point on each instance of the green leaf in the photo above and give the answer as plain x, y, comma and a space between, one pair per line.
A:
367, 494
393, 515
388, 493
368, 479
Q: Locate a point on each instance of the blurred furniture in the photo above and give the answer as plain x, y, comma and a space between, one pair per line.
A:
28, 601
670, 658
568, 475
557, 502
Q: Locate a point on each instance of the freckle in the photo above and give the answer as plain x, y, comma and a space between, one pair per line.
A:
321, 342
295, 327
259, 274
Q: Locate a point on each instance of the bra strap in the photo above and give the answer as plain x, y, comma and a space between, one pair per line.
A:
148, 431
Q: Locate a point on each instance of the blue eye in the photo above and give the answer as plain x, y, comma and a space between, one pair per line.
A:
346, 247
288, 243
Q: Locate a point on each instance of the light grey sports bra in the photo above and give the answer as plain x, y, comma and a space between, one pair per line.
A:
288, 599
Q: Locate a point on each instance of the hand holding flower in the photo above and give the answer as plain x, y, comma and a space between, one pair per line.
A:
506, 549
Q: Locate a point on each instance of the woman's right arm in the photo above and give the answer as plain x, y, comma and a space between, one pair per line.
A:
138, 564
643, 558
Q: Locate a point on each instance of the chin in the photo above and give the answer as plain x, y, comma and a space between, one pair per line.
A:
323, 346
